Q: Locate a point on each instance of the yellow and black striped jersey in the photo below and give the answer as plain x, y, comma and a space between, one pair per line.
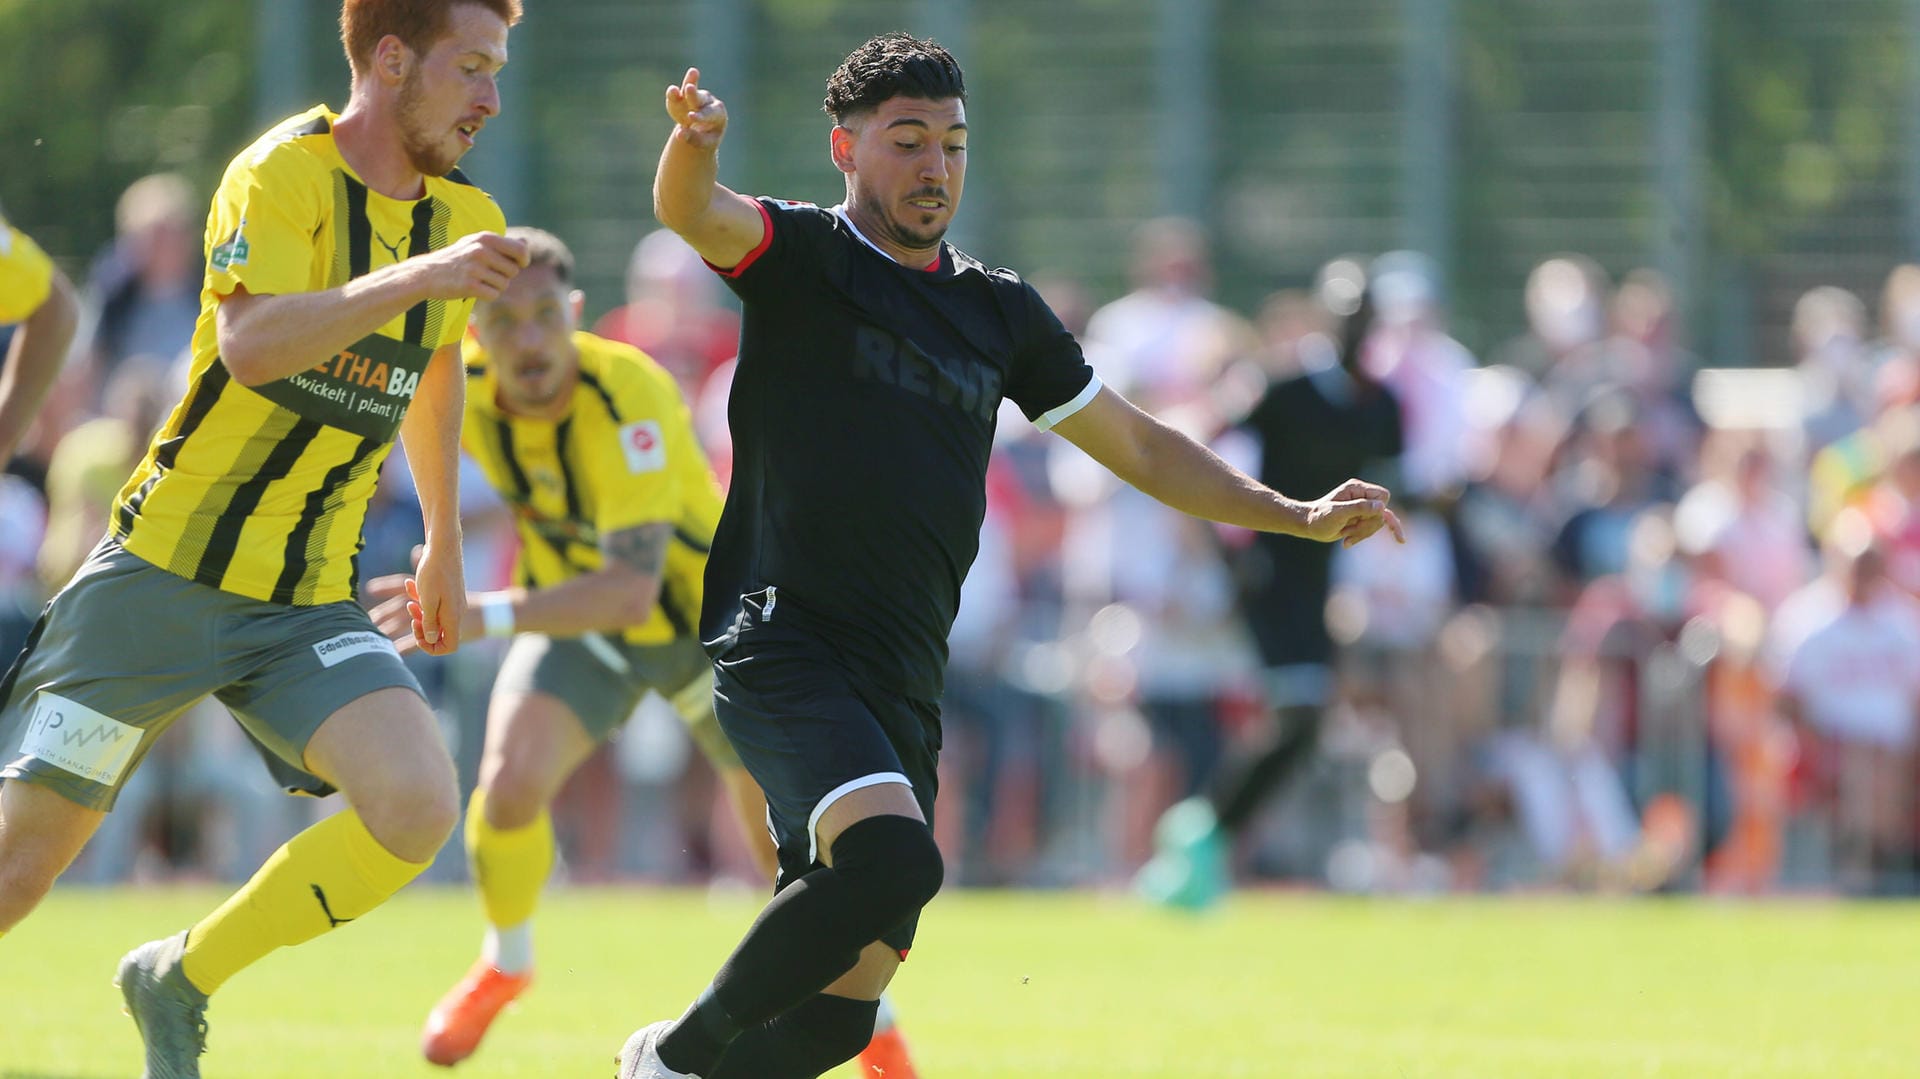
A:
26, 274
263, 492
623, 455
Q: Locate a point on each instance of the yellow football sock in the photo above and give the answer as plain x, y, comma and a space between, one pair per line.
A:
510, 866
326, 876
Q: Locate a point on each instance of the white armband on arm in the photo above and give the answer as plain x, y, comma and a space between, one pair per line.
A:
496, 615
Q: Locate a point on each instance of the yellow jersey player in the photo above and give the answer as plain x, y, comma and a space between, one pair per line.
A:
38, 296
343, 255
591, 444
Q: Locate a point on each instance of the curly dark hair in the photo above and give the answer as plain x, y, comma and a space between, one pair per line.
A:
889, 66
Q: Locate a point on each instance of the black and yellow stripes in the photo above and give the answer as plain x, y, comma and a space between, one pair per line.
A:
569, 487
621, 456
263, 491
503, 436
358, 230
207, 545
275, 514
187, 419
306, 544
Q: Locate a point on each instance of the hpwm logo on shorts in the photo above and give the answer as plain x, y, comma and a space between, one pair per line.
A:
73, 737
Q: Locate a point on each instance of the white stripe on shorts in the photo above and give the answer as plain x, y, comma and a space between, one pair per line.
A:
837, 793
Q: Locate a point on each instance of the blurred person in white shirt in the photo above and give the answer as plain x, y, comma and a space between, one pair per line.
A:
1849, 683
1745, 526
1410, 353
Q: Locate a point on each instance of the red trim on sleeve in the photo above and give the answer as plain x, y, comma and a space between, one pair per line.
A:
766, 241
903, 953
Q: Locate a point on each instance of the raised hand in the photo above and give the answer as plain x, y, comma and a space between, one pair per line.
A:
477, 266
702, 117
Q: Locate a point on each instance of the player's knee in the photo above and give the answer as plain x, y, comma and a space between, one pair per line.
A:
25, 879
834, 1029
894, 859
413, 821
514, 799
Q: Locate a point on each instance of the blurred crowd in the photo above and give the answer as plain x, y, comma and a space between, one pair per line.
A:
1655, 626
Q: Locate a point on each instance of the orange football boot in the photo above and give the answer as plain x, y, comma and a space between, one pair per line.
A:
460, 1020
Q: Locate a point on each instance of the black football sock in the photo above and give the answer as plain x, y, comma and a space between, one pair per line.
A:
884, 870
816, 1036
1245, 787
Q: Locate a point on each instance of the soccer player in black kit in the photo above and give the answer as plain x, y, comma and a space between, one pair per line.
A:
873, 359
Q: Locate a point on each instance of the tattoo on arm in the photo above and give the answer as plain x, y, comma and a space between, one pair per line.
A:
642, 548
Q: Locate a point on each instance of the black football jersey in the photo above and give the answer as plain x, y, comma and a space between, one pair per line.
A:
862, 413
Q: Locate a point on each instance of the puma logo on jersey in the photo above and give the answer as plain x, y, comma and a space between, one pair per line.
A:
392, 249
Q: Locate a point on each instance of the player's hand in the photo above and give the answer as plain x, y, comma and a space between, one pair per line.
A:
437, 600
702, 117
477, 266
1351, 512
389, 612
393, 617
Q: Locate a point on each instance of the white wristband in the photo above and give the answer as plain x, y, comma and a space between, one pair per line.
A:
496, 615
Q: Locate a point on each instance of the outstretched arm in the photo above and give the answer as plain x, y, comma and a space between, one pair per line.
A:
1189, 477
33, 361
722, 225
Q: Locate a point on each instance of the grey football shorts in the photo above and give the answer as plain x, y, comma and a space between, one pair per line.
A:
602, 679
126, 647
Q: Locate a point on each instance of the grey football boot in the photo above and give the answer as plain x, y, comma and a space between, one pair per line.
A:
170, 1012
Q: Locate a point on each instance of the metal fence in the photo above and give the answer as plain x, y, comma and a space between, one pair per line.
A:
1745, 148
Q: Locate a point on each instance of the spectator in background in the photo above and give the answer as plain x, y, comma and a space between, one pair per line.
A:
1830, 354
146, 287
1899, 316
1567, 781
1741, 523
1331, 417
1893, 504
23, 519
93, 460
1505, 518
1843, 471
674, 312
1164, 343
1566, 311
1607, 479
1410, 353
1638, 355
982, 710
1850, 685
1164, 346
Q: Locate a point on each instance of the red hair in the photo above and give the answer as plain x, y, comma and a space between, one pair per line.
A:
417, 23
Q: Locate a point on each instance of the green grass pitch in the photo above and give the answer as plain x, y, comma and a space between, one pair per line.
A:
1066, 986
